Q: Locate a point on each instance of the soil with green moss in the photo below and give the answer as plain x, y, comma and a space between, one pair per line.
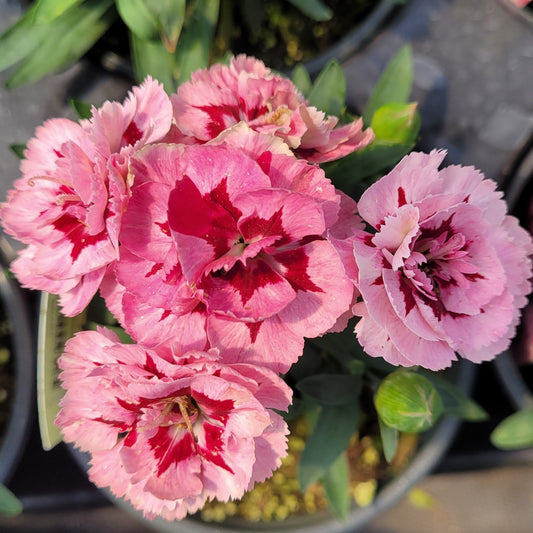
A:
282, 35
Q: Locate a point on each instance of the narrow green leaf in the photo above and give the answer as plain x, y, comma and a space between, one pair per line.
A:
195, 41
54, 330
514, 432
18, 150
73, 34
20, 39
336, 483
314, 9
330, 437
331, 389
83, 109
48, 10
169, 15
300, 77
408, 402
152, 58
394, 85
396, 123
10, 505
389, 440
455, 401
329, 90
139, 18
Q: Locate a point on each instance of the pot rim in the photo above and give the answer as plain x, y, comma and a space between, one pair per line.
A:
18, 425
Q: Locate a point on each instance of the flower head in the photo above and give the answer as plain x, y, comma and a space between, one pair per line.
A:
231, 244
168, 435
68, 205
444, 270
220, 97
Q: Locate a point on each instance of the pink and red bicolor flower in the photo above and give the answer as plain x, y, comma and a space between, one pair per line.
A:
220, 97
237, 245
444, 268
68, 204
169, 435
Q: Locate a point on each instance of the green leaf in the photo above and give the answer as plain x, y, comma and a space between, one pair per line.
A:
330, 437
331, 389
47, 10
20, 39
83, 110
152, 58
139, 18
389, 440
18, 150
314, 9
455, 401
300, 77
514, 432
72, 35
329, 90
10, 505
54, 330
394, 85
195, 42
336, 483
350, 172
169, 15
408, 402
397, 123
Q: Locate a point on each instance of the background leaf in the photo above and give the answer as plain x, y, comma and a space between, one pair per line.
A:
331, 389
152, 58
10, 505
72, 35
329, 90
515, 431
48, 10
170, 16
389, 440
408, 402
18, 150
300, 77
83, 110
139, 18
194, 45
330, 437
394, 85
336, 483
20, 39
314, 9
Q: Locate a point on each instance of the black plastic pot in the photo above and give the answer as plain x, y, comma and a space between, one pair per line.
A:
519, 195
22, 402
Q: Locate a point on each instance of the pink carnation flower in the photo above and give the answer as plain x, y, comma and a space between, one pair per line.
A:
170, 435
444, 269
68, 205
240, 245
221, 96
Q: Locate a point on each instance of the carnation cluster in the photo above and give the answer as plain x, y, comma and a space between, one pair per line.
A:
206, 223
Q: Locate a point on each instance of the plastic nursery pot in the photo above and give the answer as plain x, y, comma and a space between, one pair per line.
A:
519, 195
431, 450
17, 339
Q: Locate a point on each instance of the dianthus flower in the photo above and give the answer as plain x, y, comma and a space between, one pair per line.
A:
170, 435
68, 204
239, 245
444, 269
246, 90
